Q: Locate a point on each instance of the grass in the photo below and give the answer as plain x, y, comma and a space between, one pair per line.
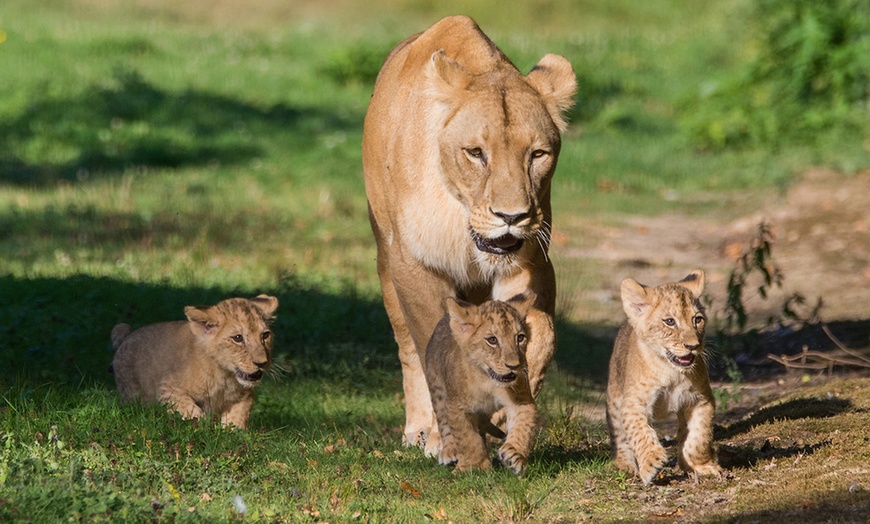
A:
156, 154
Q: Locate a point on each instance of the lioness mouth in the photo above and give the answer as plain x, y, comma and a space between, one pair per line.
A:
683, 361
507, 377
498, 246
249, 377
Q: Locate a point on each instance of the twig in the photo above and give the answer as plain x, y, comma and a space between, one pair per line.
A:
807, 359
842, 346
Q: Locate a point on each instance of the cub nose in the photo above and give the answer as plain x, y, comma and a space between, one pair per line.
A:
513, 366
511, 218
691, 347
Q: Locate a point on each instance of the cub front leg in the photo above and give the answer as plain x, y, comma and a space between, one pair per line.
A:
620, 448
179, 401
522, 423
643, 441
470, 444
695, 451
238, 413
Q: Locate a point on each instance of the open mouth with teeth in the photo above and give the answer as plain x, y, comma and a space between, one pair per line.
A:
506, 378
249, 377
684, 361
498, 246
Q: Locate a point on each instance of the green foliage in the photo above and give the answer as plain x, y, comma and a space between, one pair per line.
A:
756, 272
811, 76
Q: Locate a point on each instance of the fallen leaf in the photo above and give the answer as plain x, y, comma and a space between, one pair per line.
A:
406, 486
205, 497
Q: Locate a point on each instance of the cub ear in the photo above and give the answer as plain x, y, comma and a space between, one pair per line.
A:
694, 282
461, 315
635, 300
553, 78
202, 321
267, 305
445, 76
523, 302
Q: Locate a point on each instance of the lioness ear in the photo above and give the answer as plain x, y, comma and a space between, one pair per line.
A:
694, 282
445, 76
461, 314
202, 321
266, 304
635, 300
553, 78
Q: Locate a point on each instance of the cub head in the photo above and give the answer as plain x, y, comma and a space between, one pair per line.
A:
669, 318
493, 336
235, 333
498, 142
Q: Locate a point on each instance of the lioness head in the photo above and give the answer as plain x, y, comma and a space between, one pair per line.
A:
498, 141
236, 335
669, 318
493, 335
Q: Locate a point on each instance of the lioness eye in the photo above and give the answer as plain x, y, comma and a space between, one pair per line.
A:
492, 341
238, 339
538, 153
475, 152
670, 322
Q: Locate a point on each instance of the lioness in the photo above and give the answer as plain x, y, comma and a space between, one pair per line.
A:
206, 364
458, 152
476, 365
658, 368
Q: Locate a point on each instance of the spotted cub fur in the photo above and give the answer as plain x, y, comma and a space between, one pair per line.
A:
476, 366
658, 368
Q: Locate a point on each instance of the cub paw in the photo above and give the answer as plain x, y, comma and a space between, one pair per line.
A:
512, 459
651, 465
710, 468
448, 455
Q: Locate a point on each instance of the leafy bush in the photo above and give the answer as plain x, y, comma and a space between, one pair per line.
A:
811, 74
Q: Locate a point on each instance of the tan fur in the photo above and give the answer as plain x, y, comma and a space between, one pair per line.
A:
460, 147
475, 366
207, 364
658, 368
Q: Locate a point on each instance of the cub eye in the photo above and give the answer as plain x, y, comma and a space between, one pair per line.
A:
521, 338
238, 339
266, 335
699, 320
492, 341
670, 322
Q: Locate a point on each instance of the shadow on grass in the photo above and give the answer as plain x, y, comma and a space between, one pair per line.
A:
129, 122
845, 505
57, 330
790, 410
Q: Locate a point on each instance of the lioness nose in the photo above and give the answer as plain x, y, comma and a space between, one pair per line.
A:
510, 218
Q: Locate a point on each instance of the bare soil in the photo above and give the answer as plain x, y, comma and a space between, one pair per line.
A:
794, 442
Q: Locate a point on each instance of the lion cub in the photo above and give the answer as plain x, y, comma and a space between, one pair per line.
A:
475, 366
658, 367
207, 364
